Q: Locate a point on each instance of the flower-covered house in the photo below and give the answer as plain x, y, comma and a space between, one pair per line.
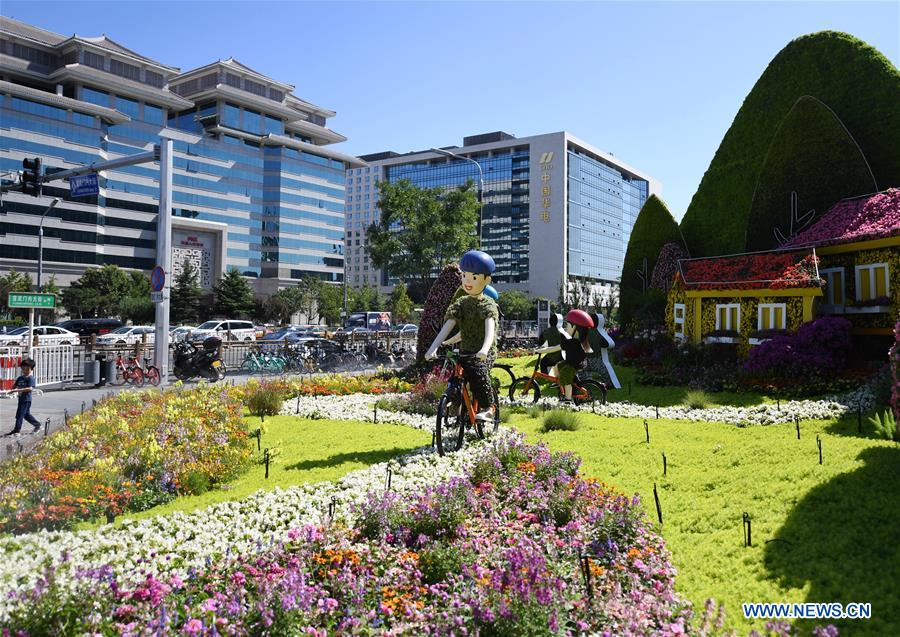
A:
744, 298
846, 263
858, 243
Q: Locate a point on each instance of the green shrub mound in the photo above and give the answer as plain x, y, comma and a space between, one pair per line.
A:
854, 79
814, 156
653, 228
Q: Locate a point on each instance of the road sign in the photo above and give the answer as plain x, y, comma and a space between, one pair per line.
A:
84, 185
157, 279
29, 299
157, 297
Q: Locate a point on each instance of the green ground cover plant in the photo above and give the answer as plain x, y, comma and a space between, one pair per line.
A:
820, 533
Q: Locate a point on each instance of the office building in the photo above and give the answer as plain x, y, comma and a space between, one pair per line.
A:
256, 186
555, 208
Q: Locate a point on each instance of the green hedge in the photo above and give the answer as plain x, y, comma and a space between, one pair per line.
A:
813, 155
859, 83
653, 228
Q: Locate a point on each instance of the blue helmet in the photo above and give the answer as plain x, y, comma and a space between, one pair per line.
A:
478, 262
491, 292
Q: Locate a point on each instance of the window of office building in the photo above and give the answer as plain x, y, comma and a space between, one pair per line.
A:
92, 95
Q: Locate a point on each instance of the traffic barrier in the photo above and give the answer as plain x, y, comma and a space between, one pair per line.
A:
10, 357
53, 364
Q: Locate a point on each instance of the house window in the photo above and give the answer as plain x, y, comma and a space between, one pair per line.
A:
679, 320
871, 281
834, 285
771, 316
728, 317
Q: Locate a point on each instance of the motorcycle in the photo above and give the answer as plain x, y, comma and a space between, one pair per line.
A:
191, 361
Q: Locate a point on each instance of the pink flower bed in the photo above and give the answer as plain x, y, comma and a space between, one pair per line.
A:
858, 219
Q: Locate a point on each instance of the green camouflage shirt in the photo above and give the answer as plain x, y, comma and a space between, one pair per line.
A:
469, 313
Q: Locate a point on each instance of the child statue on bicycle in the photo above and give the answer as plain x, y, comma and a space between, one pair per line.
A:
574, 350
477, 316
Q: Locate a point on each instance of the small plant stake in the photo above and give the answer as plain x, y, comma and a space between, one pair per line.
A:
46, 427
375, 414
93, 402
748, 538
819, 445
82, 406
297, 408
778, 404
258, 435
387, 481
331, 507
647, 431
658, 506
657, 412
665, 467
266, 459
66, 416
262, 418
584, 564
797, 422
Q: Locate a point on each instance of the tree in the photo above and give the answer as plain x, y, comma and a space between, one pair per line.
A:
309, 305
137, 309
515, 305
330, 303
98, 292
184, 305
421, 230
50, 287
13, 281
282, 305
401, 304
365, 299
858, 83
232, 296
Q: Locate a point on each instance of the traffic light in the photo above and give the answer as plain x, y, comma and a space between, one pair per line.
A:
32, 177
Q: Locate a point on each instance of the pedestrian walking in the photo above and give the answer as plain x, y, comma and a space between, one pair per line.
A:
24, 387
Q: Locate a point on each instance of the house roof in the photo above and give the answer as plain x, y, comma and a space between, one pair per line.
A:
863, 218
760, 270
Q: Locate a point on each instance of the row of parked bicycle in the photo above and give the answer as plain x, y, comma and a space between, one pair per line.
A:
325, 356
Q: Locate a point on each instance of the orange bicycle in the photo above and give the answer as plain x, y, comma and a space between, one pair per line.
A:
457, 409
128, 371
583, 391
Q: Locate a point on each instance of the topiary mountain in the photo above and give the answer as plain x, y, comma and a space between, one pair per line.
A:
811, 163
852, 78
653, 228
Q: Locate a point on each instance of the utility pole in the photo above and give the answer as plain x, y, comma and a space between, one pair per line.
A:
164, 258
40, 270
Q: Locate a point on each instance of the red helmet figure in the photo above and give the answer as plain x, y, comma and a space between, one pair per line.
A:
580, 318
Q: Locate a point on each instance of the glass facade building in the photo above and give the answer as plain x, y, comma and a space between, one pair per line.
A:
555, 208
252, 168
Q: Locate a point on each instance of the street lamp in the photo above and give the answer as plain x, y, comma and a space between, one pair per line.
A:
40, 272
447, 153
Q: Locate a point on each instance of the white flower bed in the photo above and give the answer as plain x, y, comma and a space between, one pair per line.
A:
354, 407
829, 408
175, 543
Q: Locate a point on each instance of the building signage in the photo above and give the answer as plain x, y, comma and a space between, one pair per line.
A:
546, 185
28, 299
84, 185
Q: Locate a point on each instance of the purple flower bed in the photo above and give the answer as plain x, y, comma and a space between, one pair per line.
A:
855, 220
818, 349
493, 553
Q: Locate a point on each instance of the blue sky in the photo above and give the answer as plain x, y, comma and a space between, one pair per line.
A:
657, 84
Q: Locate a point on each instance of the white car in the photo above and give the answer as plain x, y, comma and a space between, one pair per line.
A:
128, 335
181, 333
236, 330
46, 334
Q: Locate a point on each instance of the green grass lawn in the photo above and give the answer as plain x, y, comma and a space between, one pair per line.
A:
820, 533
642, 394
311, 451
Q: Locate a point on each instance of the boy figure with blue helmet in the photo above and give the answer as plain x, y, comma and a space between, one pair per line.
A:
477, 316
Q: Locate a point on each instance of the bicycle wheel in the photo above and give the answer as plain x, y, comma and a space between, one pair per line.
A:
135, 376
449, 430
480, 430
585, 392
508, 370
525, 388
152, 375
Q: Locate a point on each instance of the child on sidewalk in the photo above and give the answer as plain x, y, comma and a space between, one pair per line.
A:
23, 387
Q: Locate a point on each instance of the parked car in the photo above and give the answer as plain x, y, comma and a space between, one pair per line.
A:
261, 330
239, 330
408, 328
87, 327
128, 335
290, 333
319, 331
181, 333
46, 334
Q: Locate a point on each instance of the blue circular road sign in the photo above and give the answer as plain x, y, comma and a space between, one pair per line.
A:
157, 279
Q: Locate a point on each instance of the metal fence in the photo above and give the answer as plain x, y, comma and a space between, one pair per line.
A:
53, 364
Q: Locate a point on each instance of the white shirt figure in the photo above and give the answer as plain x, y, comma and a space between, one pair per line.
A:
601, 329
